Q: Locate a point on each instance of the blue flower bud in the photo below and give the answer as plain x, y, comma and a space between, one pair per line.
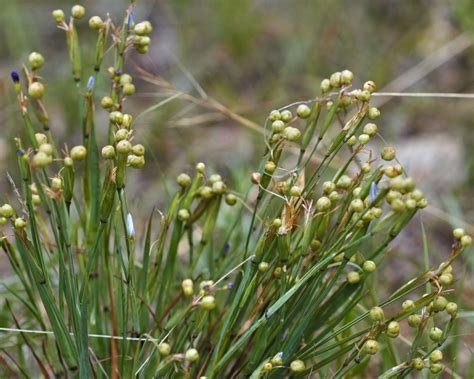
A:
372, 192
15, 77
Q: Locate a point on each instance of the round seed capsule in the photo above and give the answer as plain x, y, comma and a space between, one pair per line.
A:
436, 368
371, 347
184, 180
191, 355
164, 349
408, 305
208, 302
297, 366
451, 309
393, 329
20, 223
435, 334
458, 233
439, 304
376, 314
353, 277
286, 115
414, 321
418, 364
436, 356
231, 199
36, 60
291, 134
78, 11
303, 111
323, 204
36, 90
369, 266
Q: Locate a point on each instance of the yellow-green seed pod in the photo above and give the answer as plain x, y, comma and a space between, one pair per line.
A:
231, 199
191, 355
370, 129
108, 152
183, 215
267, 367
303, 111
184, 180
458, 233
78, 11
139, 150
6, 210
435, 334
369, 86
436, 368
143, 28
325, 85
414, 321
106, 102
297, 366
128, 89
296, 191
58, 15
408, 305
127, 120
208, 302
393, 329
116, 117
371, 347
135, 161
353, 277
187, 286
466, 241
274, 115
346, 77
41, 159
364, 139
291, 134
78, 153
41, 138
36, 90
436, 356
278, 126
335, 80
369, 266
376, 314
263, 266
373, 113
57, 183
286, 116
418, 364
46, 148
323, 204
439, 304
95, 22
164, 349
20, 223
357, 205
36, 60
124, 147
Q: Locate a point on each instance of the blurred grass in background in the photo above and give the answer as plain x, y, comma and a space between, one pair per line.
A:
255, 55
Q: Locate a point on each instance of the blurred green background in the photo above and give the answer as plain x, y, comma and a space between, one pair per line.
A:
255, 55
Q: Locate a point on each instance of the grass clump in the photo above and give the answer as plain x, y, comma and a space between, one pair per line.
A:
278, 282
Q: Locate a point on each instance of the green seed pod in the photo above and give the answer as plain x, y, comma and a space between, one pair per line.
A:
344, 182
323, 204
143, 41
325, 85
128, 89
357, 205
121, 135
423, 203
376, 314
416, 195
303, 111
187, 286
370, 129
466, 241
346, 77
263, 266
393, 329
139, 150
68, 162
446, 279
439, 304
184, 180
364, 95
58, 15
106, 102
458, 233
143, 28
164, 349
116, 117
436, 368
36, 60
334, 196
134, 161
296, 191
183, 215
142, 49
208, 302
95, 22
335, 80
56, 183
436, 334
277, 222
35, 199
371, 347
270, 167
315, 245
124, 147
328, 187
78, 153
351, 141
410, 204
274, 115
108, 152
277, 360
20, 223
278, 126
6, 211
78, 11
205, 192
408, 306
277, 272
364, 139
418, 364
369, 266
353, 277
215, 178
451, 309
36, 90
231, 199
397, 205
267, 367
436, 356
41, 159
219, 188
297, 366
286, 115
46, 148
41, 138
369, 86
373, 113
